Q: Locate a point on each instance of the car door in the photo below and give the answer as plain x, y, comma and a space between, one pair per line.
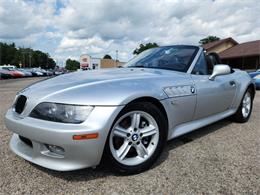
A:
212, 96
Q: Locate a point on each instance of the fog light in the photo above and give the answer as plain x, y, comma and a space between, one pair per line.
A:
55, 149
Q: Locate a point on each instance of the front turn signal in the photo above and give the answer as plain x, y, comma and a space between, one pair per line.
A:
85, 136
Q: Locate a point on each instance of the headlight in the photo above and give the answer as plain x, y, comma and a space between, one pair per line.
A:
63, 113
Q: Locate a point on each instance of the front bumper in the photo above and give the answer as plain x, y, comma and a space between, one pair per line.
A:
78, 153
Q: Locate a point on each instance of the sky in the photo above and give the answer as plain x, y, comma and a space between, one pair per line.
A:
69, 28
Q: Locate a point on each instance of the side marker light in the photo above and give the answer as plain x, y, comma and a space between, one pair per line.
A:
85, 136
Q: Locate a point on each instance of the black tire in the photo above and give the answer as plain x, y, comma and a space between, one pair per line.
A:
238, 116
156, 113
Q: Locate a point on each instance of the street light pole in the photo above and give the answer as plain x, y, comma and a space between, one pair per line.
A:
116, 57
30, 59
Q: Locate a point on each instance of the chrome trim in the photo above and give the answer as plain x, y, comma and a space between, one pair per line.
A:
195, 60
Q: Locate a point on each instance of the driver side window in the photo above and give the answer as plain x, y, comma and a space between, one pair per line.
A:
201, 67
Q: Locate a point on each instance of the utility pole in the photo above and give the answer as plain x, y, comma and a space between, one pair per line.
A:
23, 61
57, 62
47, 63
116, 57
30, 59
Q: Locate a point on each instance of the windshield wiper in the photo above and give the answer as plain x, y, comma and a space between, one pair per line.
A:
137, 66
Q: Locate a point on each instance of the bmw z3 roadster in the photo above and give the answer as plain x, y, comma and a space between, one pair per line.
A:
124, 116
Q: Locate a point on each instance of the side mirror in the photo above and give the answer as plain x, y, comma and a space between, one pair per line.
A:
220, 69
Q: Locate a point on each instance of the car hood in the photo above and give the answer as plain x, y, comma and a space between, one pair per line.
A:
87, 78
102, 87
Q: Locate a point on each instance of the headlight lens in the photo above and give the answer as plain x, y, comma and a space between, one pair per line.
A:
63, 113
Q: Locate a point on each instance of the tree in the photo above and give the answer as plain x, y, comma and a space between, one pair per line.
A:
28, 57
51, 63
143, 47
72, 64
208, 39
107, 57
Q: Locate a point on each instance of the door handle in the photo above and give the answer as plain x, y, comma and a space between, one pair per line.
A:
232, 83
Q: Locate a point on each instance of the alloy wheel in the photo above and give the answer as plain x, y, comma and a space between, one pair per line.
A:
134, 138
246, 105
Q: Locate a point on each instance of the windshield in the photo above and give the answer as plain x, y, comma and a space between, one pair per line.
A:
176, 58
8, 68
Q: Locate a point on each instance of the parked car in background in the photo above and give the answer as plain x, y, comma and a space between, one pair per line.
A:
7, 66
44, 72
57, 72
15, 73
5, 74
253, 74
25, 72
50, 72
10, 71
257, 81
36, 72
60, 70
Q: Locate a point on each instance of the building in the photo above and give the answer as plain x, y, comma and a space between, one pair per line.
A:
220, 45
244, 56
110, 63
85, 62
89, 63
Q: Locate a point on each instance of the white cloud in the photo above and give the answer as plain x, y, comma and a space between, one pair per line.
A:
100, 27
20, 19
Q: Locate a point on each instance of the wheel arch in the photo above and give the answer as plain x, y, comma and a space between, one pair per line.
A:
154, 101
252, 87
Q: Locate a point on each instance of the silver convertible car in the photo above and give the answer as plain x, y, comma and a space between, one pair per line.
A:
123, 117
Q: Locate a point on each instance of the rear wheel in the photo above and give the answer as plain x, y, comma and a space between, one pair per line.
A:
136, 138
244, 111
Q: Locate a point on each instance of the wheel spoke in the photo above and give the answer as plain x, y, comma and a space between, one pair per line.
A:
148, 131
135, 120
247, 99
141, 150
243, 111
123, 150
120, 132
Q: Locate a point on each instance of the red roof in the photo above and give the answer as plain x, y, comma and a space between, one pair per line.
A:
216, 43
251, 48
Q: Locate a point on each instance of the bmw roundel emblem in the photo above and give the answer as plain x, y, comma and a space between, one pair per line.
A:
134, 137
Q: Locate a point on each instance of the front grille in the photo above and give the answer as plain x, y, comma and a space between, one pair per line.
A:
26, 141
20, 104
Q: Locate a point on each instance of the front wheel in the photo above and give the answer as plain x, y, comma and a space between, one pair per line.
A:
136, 138
244, 111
